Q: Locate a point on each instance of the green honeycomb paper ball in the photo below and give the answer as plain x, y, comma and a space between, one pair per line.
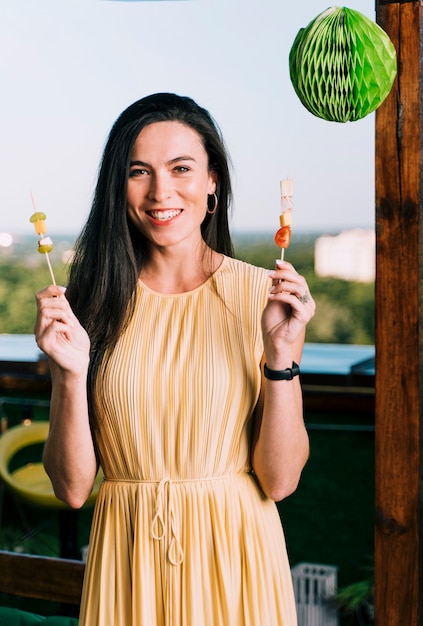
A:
342, 65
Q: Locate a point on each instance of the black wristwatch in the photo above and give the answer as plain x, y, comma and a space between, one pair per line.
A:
287, 374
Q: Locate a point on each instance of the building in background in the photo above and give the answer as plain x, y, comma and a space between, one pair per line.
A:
351, 255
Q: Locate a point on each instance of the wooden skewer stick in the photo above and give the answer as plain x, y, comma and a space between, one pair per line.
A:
50, 268
287, 192
45, 253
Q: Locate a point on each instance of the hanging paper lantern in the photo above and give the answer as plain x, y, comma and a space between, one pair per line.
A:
342, 65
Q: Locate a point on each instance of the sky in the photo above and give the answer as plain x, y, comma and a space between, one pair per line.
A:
69, 67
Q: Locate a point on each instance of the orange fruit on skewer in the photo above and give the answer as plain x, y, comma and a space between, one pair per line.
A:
45, 244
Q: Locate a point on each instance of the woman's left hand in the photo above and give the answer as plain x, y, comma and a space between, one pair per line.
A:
290, 307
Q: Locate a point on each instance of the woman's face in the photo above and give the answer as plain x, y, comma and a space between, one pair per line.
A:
169, 181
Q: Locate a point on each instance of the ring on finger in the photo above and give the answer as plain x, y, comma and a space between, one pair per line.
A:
304, 298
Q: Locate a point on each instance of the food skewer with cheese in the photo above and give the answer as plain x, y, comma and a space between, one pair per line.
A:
283, 235
45, 244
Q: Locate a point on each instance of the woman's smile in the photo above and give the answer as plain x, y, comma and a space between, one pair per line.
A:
164, 216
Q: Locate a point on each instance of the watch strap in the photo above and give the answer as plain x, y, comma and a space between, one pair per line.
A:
287, 374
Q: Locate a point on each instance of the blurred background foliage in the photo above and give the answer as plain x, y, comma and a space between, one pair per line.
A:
19, 281
345, 309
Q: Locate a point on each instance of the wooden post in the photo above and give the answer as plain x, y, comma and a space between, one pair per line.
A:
399, 352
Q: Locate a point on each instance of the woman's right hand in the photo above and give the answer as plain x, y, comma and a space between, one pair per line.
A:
58, 332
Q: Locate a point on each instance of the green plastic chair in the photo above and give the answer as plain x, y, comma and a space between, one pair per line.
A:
30, 482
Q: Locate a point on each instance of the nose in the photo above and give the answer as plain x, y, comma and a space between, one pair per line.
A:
160, 187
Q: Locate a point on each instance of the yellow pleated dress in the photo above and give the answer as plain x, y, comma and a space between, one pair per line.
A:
182, 534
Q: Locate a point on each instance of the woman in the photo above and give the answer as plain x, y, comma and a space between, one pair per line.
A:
169, 334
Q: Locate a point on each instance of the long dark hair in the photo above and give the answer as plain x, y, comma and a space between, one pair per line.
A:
110, 252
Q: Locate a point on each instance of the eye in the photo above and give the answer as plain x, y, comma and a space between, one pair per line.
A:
136, 172
181, 169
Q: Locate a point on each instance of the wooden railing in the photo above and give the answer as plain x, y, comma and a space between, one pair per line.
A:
41, 577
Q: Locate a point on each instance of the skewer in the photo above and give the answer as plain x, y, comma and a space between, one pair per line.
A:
283, 235
44, 244
50, 268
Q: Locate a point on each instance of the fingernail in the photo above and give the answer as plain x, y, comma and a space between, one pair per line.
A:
279, 262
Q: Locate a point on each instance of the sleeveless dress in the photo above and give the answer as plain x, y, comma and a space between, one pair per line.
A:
182, 535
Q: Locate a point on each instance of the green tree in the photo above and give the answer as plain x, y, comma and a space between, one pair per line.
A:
19, 282
345, 309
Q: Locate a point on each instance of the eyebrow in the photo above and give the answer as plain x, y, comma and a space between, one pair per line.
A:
171, 162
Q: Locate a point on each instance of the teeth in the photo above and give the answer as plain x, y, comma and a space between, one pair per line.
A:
164, 215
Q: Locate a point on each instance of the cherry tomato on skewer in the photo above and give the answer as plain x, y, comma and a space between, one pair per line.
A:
283, 236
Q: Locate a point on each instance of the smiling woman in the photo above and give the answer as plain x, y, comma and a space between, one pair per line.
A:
157, 355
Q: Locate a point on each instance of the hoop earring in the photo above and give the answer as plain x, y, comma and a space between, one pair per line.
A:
216, 201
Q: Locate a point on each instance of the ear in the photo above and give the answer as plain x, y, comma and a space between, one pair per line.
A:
212, 182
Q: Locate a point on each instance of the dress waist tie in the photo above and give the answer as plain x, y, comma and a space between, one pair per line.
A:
163, 524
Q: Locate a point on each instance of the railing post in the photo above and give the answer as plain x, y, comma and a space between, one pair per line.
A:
398, 432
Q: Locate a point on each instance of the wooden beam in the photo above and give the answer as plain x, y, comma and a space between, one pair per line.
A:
45, 578
398, 406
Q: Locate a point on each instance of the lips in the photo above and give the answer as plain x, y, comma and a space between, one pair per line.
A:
164, 215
